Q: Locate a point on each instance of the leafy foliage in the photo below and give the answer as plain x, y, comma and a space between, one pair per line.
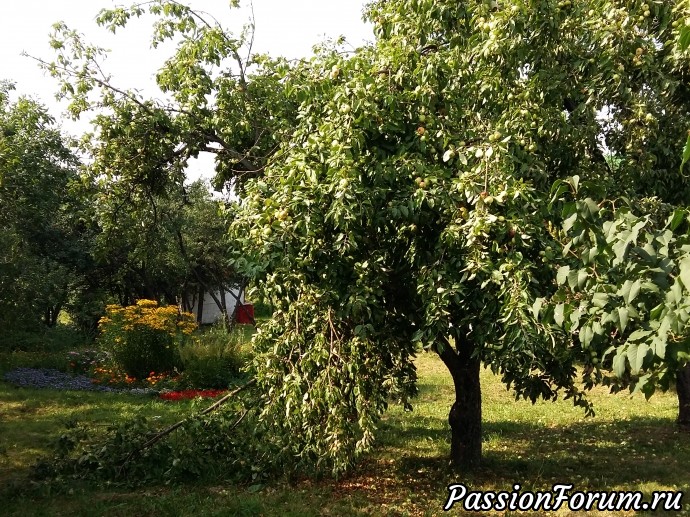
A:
399, 194
623, 292
43, 236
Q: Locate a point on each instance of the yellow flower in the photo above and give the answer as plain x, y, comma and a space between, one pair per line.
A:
147, 303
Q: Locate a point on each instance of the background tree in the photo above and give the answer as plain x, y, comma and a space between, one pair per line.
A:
44, 236
168, 246
622, 293
216, 97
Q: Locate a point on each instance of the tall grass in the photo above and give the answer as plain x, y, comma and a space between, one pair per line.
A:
213, 357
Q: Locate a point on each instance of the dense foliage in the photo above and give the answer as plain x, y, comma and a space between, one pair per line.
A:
412, 201
44, 235
623, 291
424, 190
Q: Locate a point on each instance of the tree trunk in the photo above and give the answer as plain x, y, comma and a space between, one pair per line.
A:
224, 310
465, 417
683, 390
200, 307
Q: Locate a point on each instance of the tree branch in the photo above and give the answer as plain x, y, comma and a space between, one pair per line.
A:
158, 437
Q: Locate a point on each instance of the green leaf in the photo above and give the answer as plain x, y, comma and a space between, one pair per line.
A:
558, 314
656, 311
686, 151
684, 272
623, 318
592, 207
620, 248
600, 300
684, 37
619, 365
659, 347
634, 291
639, 334
536, 307
572, 279
629, 290
586, 335
569, 221
642, 350
562, 274
678, 215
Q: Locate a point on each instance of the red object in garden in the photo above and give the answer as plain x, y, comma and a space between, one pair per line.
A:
245, 313
190, 394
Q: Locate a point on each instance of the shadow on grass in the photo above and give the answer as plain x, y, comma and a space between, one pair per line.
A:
596, 455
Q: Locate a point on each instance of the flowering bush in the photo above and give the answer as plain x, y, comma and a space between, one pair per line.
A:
112, 377
144, 337
84, 361
163, 381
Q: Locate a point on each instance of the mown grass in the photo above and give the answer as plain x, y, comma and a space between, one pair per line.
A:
631, 444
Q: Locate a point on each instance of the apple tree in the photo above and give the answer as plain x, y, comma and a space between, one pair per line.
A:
411, 204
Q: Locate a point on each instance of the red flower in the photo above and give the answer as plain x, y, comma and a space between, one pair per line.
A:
190, 394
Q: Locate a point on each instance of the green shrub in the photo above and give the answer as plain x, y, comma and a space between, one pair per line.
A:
21, 359
212, 359
262, 309
43, 339
144, 338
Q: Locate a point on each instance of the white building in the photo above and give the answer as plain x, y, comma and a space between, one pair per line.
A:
210, 312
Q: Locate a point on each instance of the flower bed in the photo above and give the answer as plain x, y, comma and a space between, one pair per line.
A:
85, 361
48, 378
191, 394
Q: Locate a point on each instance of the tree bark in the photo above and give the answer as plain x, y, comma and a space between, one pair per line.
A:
465, 417
200, 307
224, 310
683, 391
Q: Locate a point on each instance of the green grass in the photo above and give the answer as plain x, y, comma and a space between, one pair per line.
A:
631, 444
213, 358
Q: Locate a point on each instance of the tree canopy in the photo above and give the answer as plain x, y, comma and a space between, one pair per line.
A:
414, 198
424, 190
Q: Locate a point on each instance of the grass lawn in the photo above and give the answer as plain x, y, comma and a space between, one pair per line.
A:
631, 444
